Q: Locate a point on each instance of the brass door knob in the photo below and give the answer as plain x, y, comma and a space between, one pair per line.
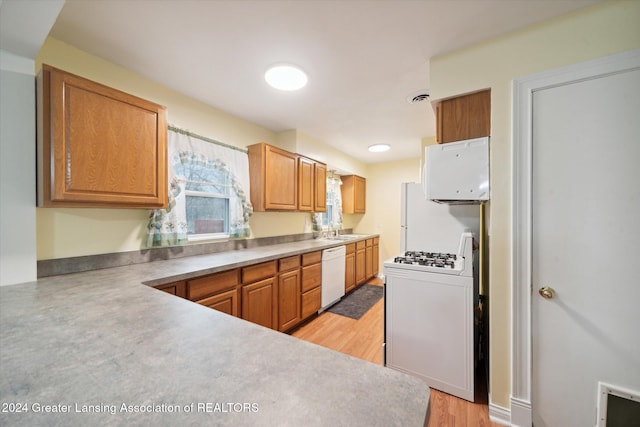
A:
547, 292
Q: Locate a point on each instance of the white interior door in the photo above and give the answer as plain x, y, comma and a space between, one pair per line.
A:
586, 245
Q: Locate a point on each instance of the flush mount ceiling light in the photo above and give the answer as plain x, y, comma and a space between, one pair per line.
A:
286, 77
379, 148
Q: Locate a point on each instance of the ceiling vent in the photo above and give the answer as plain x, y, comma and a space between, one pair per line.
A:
419, 96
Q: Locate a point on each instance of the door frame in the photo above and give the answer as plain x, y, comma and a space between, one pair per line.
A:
521, 212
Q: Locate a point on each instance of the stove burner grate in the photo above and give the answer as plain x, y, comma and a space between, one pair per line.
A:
429, 259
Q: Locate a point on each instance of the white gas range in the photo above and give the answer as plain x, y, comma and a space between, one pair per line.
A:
429, 316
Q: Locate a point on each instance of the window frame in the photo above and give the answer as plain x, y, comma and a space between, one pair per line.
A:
210, 236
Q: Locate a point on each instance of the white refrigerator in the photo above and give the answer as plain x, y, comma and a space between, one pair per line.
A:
431, 226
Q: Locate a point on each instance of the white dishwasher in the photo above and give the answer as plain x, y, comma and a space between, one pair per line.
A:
333, 265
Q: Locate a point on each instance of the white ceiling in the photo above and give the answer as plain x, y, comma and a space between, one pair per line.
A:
363, 58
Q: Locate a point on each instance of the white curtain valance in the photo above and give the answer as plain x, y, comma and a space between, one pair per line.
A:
187, 152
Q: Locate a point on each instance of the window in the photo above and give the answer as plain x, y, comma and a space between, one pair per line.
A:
333, 215
207, 214
207, 191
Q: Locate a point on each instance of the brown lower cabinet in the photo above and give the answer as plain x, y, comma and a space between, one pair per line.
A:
218, 291
260, 294
368, 258
289, 313
361, 263
259, 301
276, 294
226, 302
376, 255
311, 288
176, 288
350, 268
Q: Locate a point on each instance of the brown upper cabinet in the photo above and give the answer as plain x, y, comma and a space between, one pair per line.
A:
353, 194
464, 117
273, 175
97, 146
284, 181
320, 187
312, 185
306, 184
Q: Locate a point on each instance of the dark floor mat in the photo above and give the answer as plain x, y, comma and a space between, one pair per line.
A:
358, 302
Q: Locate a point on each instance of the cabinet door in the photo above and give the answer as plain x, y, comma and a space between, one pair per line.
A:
360, 195
464, 117
320, 194
350, 272
226, 302
368, 262
305, 184
281, 179
259, 302
97, 146
353, 194
288, 299
376, 256
361, 274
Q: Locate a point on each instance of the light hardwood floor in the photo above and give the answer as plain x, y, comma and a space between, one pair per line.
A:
363, 338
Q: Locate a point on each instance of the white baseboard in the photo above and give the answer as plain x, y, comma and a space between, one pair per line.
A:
520, 412
499, 414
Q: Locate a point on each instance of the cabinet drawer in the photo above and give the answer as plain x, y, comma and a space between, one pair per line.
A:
175, 288
311, 276
376, 240
361, 245
311, 302
211, 284
351, 248
289, 263
259, 271
311, 257
369, 242
226, 302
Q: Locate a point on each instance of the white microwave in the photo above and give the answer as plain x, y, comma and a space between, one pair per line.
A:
457, 172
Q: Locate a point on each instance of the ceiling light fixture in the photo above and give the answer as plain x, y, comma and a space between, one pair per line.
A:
286, 77
379, 148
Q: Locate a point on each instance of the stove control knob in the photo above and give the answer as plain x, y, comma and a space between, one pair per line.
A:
547, 292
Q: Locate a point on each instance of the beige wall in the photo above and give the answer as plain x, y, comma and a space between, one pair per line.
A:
75, 232
383, 202
593, 32
335, 159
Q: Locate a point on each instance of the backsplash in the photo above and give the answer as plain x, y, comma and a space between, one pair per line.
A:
55, 267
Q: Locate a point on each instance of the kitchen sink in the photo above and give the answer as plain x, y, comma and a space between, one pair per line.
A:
350, 236
344, 237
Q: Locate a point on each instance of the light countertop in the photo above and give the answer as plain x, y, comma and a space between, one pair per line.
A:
100, 348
